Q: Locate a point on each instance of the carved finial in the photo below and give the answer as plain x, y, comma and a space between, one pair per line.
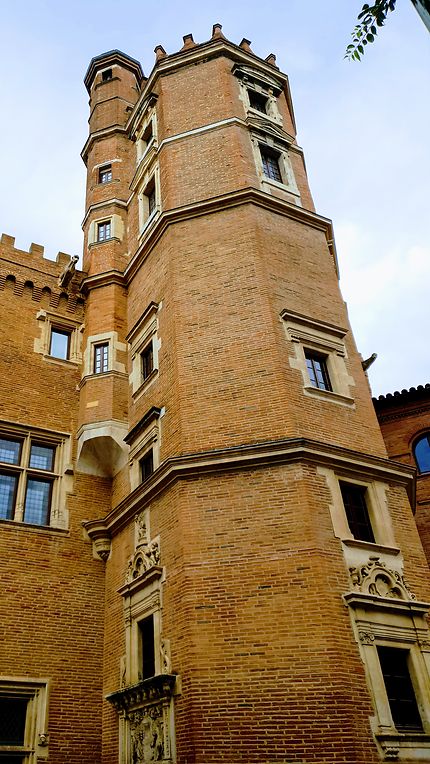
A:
217, 32
368, 362
271, 59
159, 52
245, 45
188, 42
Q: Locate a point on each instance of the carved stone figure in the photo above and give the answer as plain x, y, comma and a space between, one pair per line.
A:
143, 559
147, 735
141, 530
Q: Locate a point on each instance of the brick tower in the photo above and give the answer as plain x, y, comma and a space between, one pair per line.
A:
257, 587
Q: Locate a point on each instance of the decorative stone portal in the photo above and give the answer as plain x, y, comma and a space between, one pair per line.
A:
146, 715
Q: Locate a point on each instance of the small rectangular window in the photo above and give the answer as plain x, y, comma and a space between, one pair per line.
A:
317, 369
270, 161
60, 344
147, 358
105, 173
13, 712
257, 101
147, 647
399, 688
101, 358
103, 231
146, 466
357, 514
106, 75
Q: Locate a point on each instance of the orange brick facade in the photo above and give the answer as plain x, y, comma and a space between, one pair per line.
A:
196, 593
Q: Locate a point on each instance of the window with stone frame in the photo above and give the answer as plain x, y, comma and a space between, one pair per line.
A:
356, 510
60, 338
399, 687
23, 710
59, 345
32, 465
271, 164
316, 364
144, 347
105, 173
104, 231
101, 358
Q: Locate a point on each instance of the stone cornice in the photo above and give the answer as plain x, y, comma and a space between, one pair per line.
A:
210, 49
225, 201
252, 456
112, 202
156, 688
103, 279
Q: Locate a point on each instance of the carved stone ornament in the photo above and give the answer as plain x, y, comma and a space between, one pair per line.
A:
165, 661
147, 734
376, 579
141, 530
366, 637
391, 752
145, 557
157, 688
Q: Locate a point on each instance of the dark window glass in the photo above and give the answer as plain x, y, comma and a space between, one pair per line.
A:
257, 101
37, 501
147, 357
147, 135
101, 358
317, 370
13, 713
8, 486
270, 160
60, 344
107, 75
147, 466
146, 631
357, 514
10, 451
422, 453
399, 687
42, 457
103, 231
105, 174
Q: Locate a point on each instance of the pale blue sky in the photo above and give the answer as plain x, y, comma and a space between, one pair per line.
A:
364, 128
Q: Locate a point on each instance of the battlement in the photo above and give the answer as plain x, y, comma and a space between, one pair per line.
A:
36, 253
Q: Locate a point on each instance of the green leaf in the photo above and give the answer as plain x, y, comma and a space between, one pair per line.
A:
370, 38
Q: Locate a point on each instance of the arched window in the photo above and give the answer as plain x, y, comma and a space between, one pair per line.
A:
422, 453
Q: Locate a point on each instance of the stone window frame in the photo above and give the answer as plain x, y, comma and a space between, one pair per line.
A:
116, 229
144, 332
49, 320
36, 738
61, 474
143, 147
306, 333
252, 79
115, 347
280, 147
146, 218
379, 621
144, 437
377, 507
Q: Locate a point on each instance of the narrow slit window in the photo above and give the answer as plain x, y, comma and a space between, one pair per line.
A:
147, 647
107, 75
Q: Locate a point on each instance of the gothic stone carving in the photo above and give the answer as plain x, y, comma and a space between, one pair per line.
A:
391, 752
147, 734
145, 557
375, 578
142, 538
366, 637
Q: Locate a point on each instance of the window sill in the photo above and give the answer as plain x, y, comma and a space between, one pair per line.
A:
270, 118
158, 687
369, 546
60, 361
282, 186
143, 385
33, 528
329, 395
105, 241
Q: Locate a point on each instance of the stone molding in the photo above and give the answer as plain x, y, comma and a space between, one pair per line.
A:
375, 578
248, 457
